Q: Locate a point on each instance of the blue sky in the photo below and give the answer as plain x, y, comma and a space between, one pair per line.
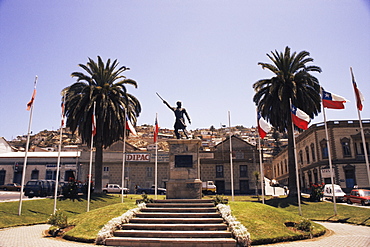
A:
204, 53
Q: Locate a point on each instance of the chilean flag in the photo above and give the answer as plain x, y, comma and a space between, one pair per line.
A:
130, 127
93, 124
359, 96
300, 118
332, 101
263, 126
156, 130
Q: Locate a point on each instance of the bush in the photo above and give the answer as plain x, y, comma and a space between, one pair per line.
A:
58, 219
219, 199
317, 191
304, 225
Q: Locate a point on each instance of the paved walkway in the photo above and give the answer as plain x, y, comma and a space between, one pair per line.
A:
343, 235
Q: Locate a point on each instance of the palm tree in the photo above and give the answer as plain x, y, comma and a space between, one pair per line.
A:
103, 85
292, 81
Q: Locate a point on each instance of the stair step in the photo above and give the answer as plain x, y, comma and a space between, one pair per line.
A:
180, 227
179, 205
184, 201
172, 234
170, 242
177, 215
180, 210
176, 220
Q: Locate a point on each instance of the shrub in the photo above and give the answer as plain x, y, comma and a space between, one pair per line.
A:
304, 225
219, 199
58, 219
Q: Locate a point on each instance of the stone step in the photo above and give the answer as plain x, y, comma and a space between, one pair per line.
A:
176, 220
177, 215
184, 201
179, 227
179, 205
171, 242
180, 210
172, 234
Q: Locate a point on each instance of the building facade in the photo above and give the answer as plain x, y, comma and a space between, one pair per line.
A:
347, 155
139, 166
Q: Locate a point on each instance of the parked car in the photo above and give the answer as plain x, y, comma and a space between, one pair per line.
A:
361, 196
12, 186
114, 188
328, 192
151, 190
40, 188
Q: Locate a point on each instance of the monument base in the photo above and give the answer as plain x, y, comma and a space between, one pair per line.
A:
184, 189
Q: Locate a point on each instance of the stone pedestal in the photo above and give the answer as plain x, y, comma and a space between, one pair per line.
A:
184, 181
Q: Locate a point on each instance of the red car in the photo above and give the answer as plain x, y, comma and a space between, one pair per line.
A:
361, 196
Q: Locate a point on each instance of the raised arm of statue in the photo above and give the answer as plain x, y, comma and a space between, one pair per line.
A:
168, 105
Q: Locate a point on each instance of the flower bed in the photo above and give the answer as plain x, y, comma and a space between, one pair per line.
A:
239, 231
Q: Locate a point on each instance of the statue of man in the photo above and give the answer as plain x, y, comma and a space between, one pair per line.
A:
180, 121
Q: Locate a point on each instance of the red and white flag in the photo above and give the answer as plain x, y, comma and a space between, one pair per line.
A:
299, 117
263, 126
358, 94
333, 101
130, 127
62, 121
156, 130
30, 103
93, 124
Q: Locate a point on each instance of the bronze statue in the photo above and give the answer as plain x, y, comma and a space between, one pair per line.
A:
180, 120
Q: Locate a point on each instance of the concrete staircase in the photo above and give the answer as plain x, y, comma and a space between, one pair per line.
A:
175, 222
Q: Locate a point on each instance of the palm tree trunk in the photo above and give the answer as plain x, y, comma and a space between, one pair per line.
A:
98, 167
292, 183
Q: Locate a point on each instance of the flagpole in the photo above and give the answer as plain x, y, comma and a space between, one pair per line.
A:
156, 163
296, 167
90, 166
58, 162
26, 154
123, 156
362, 132
262, 173
231, 161
330, 163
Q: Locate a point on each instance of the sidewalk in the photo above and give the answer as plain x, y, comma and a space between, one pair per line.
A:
344, 235
340, 235
32, 236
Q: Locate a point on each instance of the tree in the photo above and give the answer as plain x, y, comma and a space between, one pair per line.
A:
103, 85
292, 81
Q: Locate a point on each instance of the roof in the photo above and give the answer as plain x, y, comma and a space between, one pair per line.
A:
40, 154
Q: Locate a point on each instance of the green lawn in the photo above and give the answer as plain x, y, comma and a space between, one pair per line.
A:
264, 222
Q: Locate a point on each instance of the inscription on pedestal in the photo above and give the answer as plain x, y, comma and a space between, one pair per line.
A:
184, 182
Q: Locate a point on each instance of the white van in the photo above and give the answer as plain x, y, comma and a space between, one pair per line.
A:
328, 193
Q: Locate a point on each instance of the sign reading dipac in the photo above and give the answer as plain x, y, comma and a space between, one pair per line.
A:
138, 157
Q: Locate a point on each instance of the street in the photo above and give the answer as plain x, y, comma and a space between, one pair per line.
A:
8, 196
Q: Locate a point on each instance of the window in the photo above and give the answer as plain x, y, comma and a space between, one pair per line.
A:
35, 174
149, 171
243, 171
313, 152
308, 155
49, 175
219, 171
346, 147
301, 157
106, 168
286, 166
324, 149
